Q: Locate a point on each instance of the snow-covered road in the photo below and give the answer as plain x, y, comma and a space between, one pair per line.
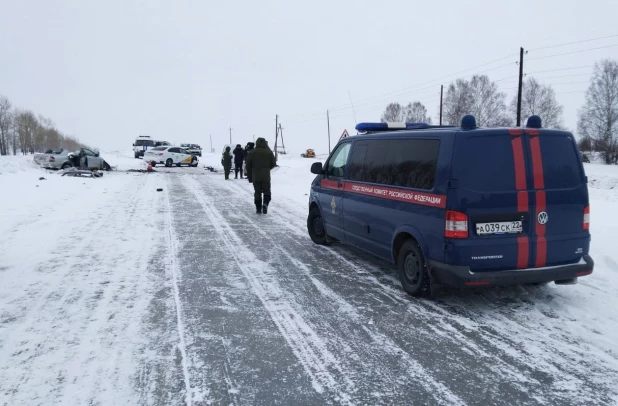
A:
187, 297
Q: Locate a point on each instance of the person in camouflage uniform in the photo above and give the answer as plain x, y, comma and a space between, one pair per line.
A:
226, 161
259, 163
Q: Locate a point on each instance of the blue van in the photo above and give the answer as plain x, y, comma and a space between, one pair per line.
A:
456, 206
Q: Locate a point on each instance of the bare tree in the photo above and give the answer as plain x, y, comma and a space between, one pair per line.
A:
540, 100
416, 113
393, 113
457, 102
598, 119
488, 104
6, 118
27, 126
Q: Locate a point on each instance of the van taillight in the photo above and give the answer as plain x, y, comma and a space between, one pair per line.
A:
587, 218
456, 225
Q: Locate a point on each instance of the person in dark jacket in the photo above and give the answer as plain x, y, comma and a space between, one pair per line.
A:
250, 146
226, 161
239, 157
259, 163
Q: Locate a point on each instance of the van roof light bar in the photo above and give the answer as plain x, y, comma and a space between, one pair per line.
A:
388, 126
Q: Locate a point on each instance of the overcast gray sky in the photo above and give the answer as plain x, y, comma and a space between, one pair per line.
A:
107, 71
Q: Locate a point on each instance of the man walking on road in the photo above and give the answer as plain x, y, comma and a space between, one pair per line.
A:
226, 161
239, 156
259, 163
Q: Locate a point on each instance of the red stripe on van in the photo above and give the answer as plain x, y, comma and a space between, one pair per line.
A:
329, 184
523, 245
537, 161
541, 203
401, 195
541, 241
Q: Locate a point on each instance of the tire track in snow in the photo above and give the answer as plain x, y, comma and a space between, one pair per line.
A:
172, 263
320, 364
349, 315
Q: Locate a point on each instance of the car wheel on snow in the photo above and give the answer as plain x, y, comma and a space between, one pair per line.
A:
66, 166
315, 226
106, 166
412, 268
169, 162
193, 162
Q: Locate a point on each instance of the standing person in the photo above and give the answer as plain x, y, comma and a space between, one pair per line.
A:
239, 156
250, 146
259, 163
226, 161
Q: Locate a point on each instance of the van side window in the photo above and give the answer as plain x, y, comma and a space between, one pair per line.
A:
357, 162
407, 163
338, 161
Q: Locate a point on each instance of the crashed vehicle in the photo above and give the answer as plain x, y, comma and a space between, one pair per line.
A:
194, 149
84, 159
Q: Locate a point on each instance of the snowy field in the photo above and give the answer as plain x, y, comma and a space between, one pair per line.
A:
114, 293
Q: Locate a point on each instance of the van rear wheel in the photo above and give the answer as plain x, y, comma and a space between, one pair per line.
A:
315, 226
412, 269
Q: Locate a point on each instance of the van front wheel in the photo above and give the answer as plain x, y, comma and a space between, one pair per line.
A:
412, 269
315, 226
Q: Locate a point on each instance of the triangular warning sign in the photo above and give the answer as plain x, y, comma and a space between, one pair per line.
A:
344, 134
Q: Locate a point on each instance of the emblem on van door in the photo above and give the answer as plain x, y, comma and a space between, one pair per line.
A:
333, 205
542, 217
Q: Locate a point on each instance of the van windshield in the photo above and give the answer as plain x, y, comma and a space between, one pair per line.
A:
141, 143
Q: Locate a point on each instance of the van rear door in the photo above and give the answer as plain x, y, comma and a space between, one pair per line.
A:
560, 198
489, 178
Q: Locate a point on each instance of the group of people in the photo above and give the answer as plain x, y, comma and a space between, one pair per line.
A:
258, 161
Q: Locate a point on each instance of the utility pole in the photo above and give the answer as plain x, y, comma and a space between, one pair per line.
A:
230, 136
521, 84
211, 143
441, 94
328, 123
276, 134
282, 143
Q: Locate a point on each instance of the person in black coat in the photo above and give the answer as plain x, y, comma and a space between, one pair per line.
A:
250, 146
239, 157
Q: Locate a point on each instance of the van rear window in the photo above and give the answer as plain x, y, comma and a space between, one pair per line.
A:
485, 163
141, 143
406, 162
561, 167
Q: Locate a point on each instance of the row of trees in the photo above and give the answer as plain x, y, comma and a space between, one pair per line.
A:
481, 97
598, 120
23, 131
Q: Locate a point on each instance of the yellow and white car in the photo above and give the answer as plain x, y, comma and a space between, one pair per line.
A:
169, 155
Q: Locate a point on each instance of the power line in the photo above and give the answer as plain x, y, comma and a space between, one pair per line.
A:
409, 88
556, 70
574, 42
572, 52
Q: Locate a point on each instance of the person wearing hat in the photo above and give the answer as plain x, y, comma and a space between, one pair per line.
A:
239, 156
259, 163
250, 146
226, 161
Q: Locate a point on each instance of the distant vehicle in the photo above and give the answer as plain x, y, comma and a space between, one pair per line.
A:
585, 158
84, 158
308, 154
459, 206
141, 145
162, 143
194, 149
170, 156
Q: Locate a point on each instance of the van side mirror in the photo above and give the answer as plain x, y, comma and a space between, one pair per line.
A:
317, 169
133, 144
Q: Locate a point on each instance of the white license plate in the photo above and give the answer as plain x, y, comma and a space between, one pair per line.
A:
505, 227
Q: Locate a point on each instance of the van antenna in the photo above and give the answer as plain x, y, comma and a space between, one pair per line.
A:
352, 104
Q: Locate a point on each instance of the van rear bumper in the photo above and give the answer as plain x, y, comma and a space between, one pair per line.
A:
461, 276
